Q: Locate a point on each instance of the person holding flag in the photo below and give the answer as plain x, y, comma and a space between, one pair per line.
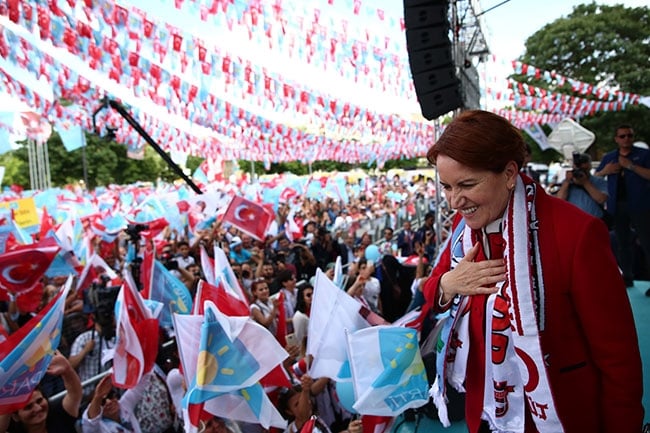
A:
296, 405
88, 349
42, 416
108, 412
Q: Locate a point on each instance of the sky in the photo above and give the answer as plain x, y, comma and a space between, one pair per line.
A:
511, 23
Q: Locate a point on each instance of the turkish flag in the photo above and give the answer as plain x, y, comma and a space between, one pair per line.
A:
308, 427
249, 217
95, 266
376, 423
281, 330
146, 270
47, 224
137, 338
151, 228
287, 194
292, 229
225, 302
196, 413
22, 268
29, 300
207, 264
277, 377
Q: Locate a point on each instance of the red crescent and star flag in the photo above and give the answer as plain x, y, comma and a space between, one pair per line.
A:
137, 337
22, 268
249, 217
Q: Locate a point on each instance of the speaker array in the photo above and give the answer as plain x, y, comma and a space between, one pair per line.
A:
430, 56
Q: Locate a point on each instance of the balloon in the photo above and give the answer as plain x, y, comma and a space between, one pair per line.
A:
372, 253
345, 392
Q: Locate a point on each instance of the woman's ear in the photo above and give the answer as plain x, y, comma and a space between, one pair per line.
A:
511, 170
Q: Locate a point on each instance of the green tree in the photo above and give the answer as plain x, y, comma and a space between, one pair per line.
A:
106, 163
600, 45
16, 169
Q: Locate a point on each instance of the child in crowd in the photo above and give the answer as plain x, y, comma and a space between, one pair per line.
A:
295, 404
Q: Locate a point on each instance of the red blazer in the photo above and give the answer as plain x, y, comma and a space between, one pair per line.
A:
590, 342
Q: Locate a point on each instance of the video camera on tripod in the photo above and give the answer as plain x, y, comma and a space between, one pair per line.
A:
99, 300
134, 231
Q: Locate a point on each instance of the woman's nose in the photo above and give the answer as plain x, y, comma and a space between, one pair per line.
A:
455, 198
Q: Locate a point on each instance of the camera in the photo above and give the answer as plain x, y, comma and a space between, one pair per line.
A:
134, 230
580, 159
171, 264
100, 299
579, 173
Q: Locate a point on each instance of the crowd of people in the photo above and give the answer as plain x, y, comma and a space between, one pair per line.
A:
329, 230
568, 280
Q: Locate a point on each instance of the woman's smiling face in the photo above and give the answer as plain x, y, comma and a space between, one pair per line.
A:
35, 412
481, 196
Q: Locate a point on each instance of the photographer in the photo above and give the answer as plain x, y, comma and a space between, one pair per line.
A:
582, 189
86, 353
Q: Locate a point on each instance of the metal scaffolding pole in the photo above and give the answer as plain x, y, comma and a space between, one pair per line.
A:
31, 158
46, 157
39, 165
469, 48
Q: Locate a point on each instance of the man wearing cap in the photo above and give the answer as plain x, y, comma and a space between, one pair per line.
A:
237, 253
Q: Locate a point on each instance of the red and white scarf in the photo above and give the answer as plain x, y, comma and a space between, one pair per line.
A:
514, 364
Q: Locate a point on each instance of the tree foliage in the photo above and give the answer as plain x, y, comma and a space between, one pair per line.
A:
105, 161
604, 46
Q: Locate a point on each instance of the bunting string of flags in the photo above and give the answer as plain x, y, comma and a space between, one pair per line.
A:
537, 98
105, 55
213, 93
521, 119
577, 86
599, 92
531, 105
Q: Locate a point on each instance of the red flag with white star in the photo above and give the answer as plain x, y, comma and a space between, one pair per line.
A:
249, 217
137, 338
22, 267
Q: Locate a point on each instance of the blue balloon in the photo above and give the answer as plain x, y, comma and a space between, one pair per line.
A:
372, 253
345, 392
